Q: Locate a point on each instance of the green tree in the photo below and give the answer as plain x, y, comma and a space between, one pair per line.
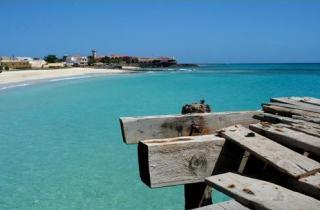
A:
115, 60
105, 59
51, 59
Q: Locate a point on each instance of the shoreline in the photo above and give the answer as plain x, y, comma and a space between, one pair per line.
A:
11, 79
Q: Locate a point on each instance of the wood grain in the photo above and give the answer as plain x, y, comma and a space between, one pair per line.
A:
284, 135
135, 129
289, 112
272, 118
181, 160
296, 102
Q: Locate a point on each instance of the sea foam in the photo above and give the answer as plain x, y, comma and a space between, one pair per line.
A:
14, 86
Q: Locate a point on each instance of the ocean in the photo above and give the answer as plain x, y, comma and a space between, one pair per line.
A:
61, 144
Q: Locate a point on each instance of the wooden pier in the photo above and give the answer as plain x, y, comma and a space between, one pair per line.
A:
266, 159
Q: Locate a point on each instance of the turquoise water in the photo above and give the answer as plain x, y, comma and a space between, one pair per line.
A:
61, 145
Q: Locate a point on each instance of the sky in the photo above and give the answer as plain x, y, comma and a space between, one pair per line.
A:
199, 31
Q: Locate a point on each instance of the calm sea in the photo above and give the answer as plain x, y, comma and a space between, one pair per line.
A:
61, 146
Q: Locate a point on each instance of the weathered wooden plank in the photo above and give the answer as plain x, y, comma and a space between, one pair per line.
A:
282, 158
181, 160
307, 118
272, 118
227, 205
289, 112
282, 134
295, 101
135, 129
311, 100
286, 100
310, 130
257, 194
299, 101
290, 106
308, 100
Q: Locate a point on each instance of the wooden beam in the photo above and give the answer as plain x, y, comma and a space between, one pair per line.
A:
135, 129
310, 130
272, 118
280, 157
310, 100
288, 112
290, 106
296, 102
226, 205
283, 135
307, 118
181, 160
261, 195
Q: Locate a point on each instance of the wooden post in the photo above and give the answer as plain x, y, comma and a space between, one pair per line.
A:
197, 195
229, 159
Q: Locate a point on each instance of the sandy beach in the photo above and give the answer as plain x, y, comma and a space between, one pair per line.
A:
15, 77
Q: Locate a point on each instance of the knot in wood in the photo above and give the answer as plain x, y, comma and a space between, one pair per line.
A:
198, 161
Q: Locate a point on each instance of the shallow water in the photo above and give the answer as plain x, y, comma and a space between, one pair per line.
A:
61, 145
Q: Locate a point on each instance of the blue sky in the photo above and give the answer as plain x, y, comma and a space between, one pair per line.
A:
192, 31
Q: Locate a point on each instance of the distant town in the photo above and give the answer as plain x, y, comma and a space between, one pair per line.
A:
93, 60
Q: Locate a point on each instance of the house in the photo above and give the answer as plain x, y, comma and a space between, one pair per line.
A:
76, 61
37, 63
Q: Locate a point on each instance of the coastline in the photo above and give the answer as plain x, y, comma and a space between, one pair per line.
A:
10, 79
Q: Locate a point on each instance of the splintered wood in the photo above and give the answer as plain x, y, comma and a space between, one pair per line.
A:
257, 194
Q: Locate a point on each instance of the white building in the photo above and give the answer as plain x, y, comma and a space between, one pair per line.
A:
35, 63
76, 61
